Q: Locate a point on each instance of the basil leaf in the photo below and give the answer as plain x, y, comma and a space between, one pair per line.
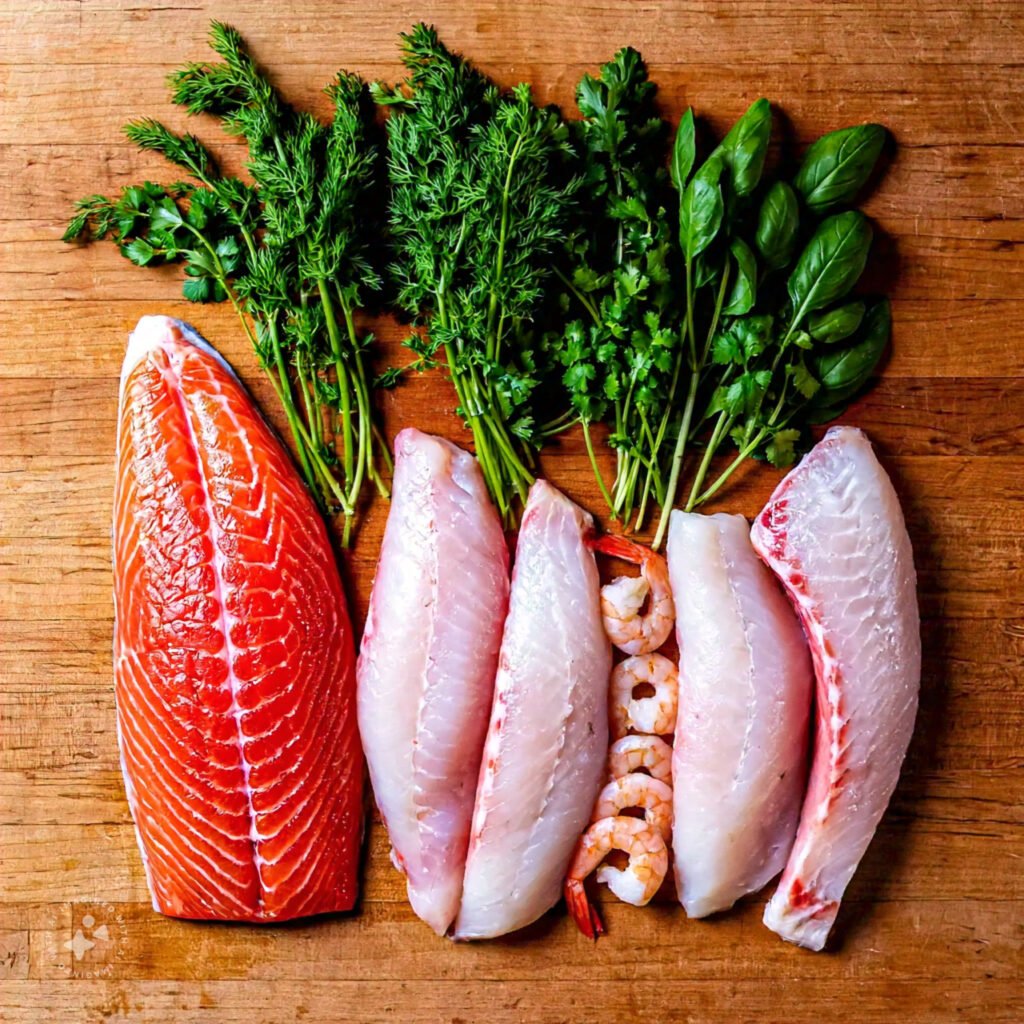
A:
684, 151
746, 146
708, 267
836, 324
844, 370
830, 264
700, 215
744, 288
777, 225
837, 165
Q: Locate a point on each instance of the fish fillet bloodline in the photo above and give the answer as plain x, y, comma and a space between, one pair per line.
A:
233, 654
833, 533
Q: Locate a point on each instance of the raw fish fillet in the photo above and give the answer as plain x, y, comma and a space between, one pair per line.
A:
427, 664
233, 655
833, 532
739, 762
547, 744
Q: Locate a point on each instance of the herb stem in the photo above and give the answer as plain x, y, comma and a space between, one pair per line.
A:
584, 300
744, 453
720, 430
368, 431
677, 461
291, 413
343, 380
494, 338
597, 472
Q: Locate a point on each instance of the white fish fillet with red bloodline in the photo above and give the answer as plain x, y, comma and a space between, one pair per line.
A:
233, 655
547, 744
739, 761
427, 664
834, 534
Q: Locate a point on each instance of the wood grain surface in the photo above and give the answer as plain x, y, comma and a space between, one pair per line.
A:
933, 927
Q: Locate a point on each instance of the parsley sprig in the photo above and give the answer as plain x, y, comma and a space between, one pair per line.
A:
481, 197
619, 355
291, 250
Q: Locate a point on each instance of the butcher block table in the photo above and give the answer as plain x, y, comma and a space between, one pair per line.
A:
932, 927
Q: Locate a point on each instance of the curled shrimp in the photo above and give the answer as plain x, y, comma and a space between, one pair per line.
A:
631, 630
636, 790
656, 714
636, 883
635, 752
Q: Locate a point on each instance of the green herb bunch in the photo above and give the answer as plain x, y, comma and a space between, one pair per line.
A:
291, 250
732, 325
619, 356
481, 198
783, 347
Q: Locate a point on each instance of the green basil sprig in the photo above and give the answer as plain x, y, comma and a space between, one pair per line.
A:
836, 167
831, 263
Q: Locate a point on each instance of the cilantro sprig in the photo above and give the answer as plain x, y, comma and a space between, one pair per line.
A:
291, 249
481, 198
619, 354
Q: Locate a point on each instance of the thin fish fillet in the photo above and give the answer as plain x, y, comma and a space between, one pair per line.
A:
547, 744
427, 664
739, 762
233, 654
833, 532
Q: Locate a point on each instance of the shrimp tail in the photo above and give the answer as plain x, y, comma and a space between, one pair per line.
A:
586, 917
620, 547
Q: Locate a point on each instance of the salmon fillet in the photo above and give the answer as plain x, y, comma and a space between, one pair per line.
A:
833, 533
233, 653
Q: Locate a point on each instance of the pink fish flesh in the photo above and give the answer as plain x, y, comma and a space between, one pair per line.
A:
427, 664
547, 745
834, 534
739, 764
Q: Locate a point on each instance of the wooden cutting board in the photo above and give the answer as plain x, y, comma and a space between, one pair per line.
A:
933, 925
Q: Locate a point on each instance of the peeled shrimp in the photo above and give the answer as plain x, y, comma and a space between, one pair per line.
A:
636, 883
634, 753
655, 714
621, 600
636, 790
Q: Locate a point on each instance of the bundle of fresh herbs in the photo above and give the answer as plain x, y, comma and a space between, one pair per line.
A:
482, 192
696, 304
291, 250
620, 348
732, 327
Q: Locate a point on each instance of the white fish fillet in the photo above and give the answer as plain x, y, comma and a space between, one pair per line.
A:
547, 744
834, 534
427, 664
739, 764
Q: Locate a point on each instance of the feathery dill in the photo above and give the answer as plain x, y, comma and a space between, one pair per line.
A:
481, 198
291, 250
